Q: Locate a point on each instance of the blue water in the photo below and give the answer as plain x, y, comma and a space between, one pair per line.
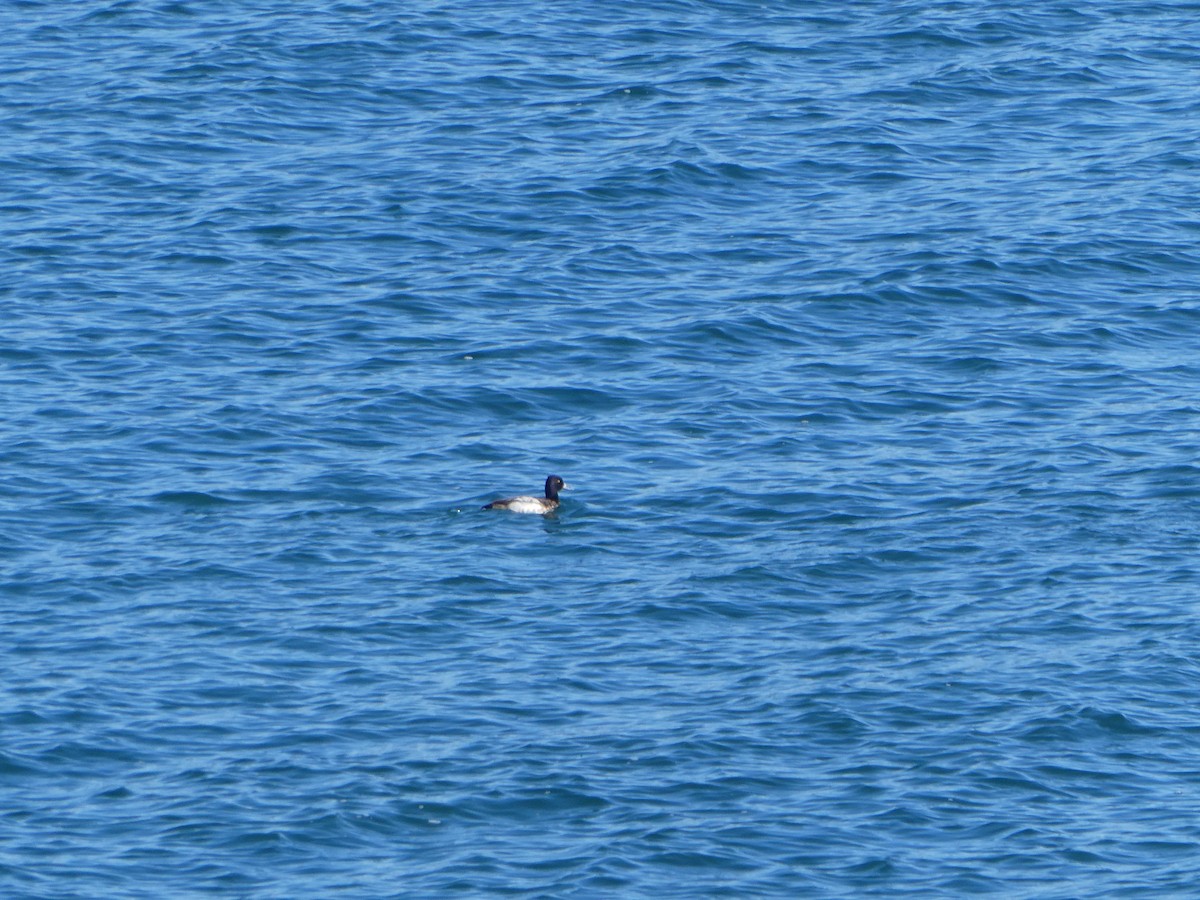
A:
867, 333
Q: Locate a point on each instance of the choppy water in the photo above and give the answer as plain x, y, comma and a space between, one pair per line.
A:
868, 334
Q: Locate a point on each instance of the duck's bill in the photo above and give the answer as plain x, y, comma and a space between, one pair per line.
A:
565, 487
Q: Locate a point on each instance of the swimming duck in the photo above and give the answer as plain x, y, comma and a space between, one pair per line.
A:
546, 504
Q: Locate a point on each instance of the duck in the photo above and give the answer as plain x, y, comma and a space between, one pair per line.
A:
539, 505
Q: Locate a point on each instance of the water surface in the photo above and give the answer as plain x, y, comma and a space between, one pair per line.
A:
866, 333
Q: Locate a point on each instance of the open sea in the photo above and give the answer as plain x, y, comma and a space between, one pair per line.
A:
867, 333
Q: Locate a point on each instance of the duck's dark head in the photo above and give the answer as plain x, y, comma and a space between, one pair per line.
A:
554, 484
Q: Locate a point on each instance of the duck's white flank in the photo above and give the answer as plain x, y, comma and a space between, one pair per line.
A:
527, 505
